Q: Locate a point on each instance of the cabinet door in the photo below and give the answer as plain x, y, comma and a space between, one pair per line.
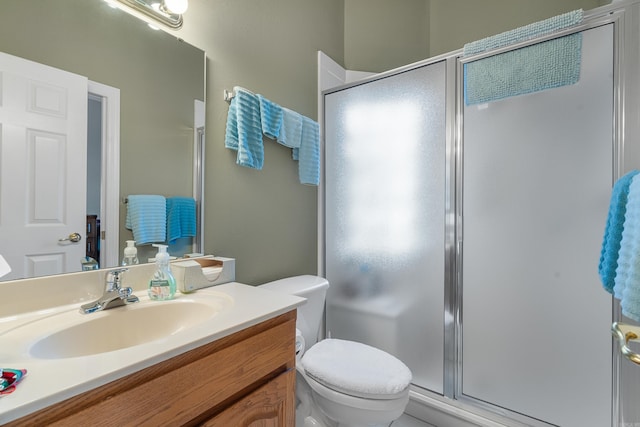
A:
272, 405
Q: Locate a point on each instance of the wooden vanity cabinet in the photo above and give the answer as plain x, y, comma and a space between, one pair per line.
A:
245, 379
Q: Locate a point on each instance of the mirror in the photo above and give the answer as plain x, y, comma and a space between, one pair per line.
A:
159, 78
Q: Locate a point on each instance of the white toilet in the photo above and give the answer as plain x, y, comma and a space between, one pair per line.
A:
340, 383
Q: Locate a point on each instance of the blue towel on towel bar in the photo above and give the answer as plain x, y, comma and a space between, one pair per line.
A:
181, 218
613, 231
291, 130
309, 153
244, 129
231, 131
545, 65
527, 32
147, 218
271, 117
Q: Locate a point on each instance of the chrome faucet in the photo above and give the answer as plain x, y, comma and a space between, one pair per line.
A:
114, 294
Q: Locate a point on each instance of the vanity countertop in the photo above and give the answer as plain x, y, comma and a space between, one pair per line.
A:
50, 381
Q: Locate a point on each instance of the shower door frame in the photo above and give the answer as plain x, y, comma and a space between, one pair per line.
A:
625, 18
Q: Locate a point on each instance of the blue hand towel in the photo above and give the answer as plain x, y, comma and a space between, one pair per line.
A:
309, 153
628, 287
181, 218
244, 129
147, 218
271, 116
546, 65
613, 231
629, 255
231, 131
291, 130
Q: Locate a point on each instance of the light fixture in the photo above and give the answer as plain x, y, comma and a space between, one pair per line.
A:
166, 12
176, 6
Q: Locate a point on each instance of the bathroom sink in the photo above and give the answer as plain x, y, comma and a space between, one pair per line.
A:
71, 334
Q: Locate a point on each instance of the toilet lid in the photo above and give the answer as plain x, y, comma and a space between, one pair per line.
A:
356, 369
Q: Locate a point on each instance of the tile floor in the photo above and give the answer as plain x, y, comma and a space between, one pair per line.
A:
408, 421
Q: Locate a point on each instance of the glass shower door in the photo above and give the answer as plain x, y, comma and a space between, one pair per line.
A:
537, 174
385, 149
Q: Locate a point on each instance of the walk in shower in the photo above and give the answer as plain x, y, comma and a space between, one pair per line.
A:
465, 239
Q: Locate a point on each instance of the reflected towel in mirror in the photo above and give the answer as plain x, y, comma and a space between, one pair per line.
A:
147, 218
181, 218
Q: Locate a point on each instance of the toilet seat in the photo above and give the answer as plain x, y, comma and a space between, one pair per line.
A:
356, 369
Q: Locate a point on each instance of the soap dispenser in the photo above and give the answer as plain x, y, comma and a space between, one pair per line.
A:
130, 253
162, 285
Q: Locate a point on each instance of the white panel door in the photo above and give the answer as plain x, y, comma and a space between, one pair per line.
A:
43, 130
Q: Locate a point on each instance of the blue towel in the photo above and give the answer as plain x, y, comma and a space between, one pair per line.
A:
181, 218
231, 131
147, 218
527, 32
291, 130
546, 65
629, 260
309, 152
271, 117
629, 234
613, 231
629, 255
244, 129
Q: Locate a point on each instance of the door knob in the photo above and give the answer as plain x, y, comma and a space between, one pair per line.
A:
73, 237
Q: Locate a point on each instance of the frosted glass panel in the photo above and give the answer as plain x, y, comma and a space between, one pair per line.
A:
385, 183
537, 180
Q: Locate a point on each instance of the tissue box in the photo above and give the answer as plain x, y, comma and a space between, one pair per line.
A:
198, 273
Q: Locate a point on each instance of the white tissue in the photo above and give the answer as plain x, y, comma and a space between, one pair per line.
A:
5, 268
211, 273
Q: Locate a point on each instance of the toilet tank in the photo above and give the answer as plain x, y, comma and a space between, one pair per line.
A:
314, 289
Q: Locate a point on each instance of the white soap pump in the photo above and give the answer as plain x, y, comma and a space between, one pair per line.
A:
130, 253
162, 285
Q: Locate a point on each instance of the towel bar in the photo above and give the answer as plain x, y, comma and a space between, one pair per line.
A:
229, 94
624, 334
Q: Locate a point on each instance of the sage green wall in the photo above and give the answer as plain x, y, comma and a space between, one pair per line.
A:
383, 34
456, 22
380, 35
265, 219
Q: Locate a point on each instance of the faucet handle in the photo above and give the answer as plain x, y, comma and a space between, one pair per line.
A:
125, 292
114, 278
126, 295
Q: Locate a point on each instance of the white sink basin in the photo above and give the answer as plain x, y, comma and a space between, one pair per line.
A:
71, 334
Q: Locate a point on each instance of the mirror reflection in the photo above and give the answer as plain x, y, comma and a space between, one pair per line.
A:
155, 80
